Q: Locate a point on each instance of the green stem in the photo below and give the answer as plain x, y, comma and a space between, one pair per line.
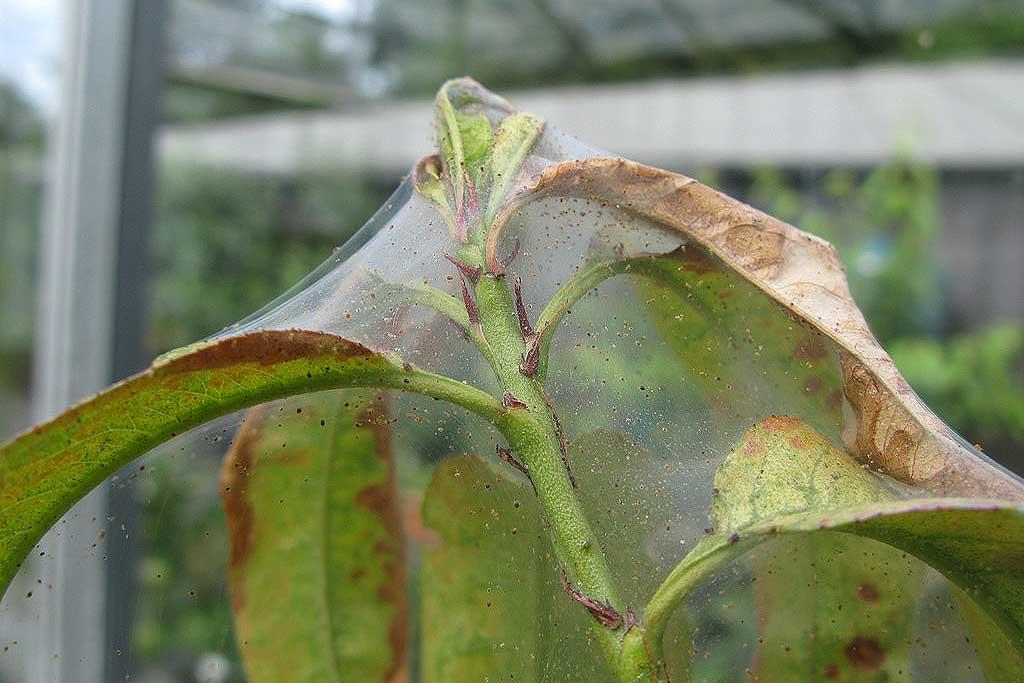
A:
441, 301
582, 282
533, 436
641, 658
443, 388
707, 557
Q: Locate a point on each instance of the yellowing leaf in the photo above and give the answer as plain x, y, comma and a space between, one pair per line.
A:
317, 562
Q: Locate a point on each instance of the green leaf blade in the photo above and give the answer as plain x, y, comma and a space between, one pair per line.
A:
835, 607
785, 481
480, 591
493, 607
317, 564
512, 142
43, 472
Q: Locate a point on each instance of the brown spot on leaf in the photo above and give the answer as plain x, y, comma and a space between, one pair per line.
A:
797, 441
694, 259
867, 592
865, 653
813, 385
834, 400
810, 349
754, 247
267, 347
832, 670
234, 477
779, 423
753, 448
900, 445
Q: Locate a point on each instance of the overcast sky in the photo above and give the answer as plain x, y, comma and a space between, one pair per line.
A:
337, 10
29, 41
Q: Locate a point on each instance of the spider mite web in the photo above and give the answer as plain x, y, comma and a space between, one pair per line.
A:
654, 388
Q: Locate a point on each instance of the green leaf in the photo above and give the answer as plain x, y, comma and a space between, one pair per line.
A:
43, 472
632, 515
1001, 661
481, 588
475, 131
835, 607
460, 137
512, 142
786, 479
492, 604
735, 344
317, 569
977, 544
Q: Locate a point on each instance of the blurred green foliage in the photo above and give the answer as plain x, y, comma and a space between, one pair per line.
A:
226, 243
975, 381
886, 224
21, 164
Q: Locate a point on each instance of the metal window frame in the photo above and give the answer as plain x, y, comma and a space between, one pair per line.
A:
90, 317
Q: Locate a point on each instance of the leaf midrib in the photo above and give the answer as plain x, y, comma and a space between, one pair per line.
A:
332, 654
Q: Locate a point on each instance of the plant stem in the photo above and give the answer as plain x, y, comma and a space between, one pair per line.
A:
533, 432
443, 388
707, 557
534, 437
584, 280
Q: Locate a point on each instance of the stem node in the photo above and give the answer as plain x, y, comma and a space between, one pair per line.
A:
605, 614
466, 270
506, 455
510, 401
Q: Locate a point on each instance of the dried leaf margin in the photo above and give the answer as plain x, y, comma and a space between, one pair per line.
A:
44, 471
318, 585
890, 428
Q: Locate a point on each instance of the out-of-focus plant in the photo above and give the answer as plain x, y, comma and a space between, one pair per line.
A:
886, 225
226, 242
21, 164
974, 380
